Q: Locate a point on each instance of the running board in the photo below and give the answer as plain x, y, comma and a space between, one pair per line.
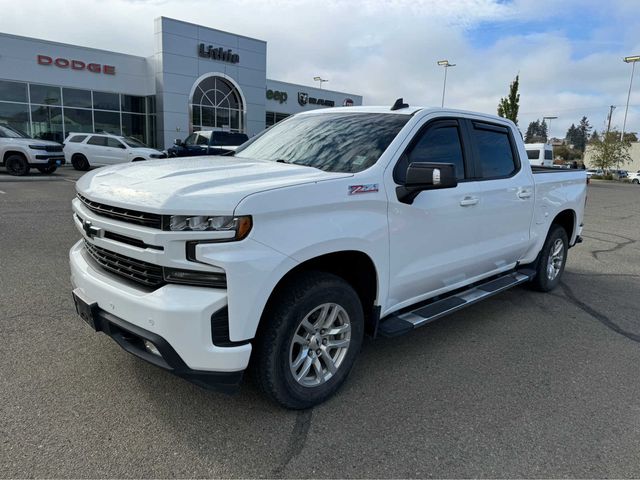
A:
401, 323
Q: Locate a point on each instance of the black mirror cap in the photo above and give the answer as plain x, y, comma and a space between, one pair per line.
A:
177, 141
426, 176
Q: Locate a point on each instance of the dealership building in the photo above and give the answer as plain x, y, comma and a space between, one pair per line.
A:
197, 78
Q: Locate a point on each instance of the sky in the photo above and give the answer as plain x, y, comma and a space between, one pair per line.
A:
568, 53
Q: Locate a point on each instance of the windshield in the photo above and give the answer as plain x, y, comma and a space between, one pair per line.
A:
10, 132
334, 142
133, 142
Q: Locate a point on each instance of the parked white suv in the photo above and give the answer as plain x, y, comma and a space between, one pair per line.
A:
84, 150
19, 152
634, 177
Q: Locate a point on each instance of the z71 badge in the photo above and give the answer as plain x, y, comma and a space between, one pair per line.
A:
369, 188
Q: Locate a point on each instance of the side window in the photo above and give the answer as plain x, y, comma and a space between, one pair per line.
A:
99, 141
493, 146
202, 140
77, 138
548, 155
190, 140
533, 154
440, 143
113, 143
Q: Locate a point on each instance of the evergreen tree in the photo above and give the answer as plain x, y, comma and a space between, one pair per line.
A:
536, 132
582, 134
509, 105
594, 137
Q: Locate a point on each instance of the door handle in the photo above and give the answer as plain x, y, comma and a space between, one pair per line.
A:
466, 201
524, 194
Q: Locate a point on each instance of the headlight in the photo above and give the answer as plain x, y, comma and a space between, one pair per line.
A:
201, 223
194, 277
37, 147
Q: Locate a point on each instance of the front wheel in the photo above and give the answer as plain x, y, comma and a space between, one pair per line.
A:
47, 170
636, 181
553, 258
309, 340
17, 165
80, 162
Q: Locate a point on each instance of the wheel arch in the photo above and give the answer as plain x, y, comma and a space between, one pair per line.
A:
8, 153
567, 220
354, 266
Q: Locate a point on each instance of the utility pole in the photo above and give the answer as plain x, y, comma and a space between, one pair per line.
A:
611, 109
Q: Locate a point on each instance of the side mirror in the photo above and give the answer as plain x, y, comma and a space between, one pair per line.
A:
426, 176
178, 142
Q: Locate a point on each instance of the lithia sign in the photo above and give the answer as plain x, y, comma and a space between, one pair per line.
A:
209, 51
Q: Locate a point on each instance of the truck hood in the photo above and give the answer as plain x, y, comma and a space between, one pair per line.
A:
209, 185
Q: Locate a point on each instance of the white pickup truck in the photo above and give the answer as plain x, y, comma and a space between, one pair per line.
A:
329, 225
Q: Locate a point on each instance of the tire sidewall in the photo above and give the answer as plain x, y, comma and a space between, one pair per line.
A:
48, 170
544, 282
17, 165
340, 293
80, 162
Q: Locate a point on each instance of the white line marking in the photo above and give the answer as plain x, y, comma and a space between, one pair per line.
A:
67, 180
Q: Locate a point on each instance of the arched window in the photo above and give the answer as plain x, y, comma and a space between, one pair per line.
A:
216, 103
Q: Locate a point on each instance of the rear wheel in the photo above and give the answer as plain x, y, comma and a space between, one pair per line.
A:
17, 165
553, 258
80, 162
309, 341
47, 170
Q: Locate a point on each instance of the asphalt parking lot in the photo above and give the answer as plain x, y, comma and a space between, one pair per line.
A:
522, 385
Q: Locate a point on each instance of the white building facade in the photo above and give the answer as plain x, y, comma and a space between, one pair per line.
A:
198, 78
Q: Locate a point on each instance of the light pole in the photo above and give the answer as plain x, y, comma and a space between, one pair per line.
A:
633, 61
548, 126
321, 80
446, 65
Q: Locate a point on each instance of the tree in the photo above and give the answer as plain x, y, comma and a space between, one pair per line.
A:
628, 136
509, 105
594, 137
572, 135
610, 151
582, 134
536, 132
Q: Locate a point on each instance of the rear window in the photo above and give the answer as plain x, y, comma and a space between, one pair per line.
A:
533, 154
77, 138
96, 140
494, 150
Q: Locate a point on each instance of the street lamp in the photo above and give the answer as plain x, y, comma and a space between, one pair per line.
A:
549, 126
446, 65
321, 80
633, 61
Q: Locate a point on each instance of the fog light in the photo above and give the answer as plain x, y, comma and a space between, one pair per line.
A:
151, 348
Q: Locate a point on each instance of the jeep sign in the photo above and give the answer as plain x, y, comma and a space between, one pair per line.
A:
76, 65
277, 96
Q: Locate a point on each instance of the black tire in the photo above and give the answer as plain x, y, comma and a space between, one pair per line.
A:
138, 159
48, 170
272, 362
636, 181
80, 162
17, 165
545, 281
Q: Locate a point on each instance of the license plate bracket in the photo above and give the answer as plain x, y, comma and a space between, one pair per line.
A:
87, 311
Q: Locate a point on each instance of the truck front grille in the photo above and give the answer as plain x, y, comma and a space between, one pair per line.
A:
151, 220
53, 148
137, 271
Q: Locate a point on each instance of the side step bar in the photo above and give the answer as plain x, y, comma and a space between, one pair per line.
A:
401, 323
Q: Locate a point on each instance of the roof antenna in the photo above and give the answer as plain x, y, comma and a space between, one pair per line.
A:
399, 104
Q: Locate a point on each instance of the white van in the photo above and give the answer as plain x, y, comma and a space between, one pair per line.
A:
540, 154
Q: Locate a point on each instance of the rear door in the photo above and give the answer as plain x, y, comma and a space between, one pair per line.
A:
505, 192
95, 150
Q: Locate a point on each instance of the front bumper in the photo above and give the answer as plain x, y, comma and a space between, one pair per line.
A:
47, 160
180, 315
132, 339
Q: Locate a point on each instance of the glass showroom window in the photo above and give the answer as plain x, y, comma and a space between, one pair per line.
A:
46, 123
216, 103
15, 115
